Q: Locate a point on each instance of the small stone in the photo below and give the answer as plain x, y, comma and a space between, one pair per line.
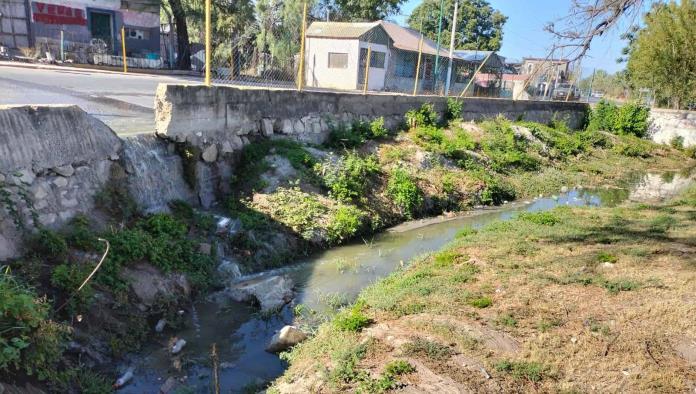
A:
69, 202
67, 170
47, 219
26, 176
205, 248
114, 157
267, 127
564, 189
245, 140
178, 345
168, 386
159, 327
573, 339
287, 126
607, 265
210, 154
2, 178
227, 147
287, 337
60, 181
40, 193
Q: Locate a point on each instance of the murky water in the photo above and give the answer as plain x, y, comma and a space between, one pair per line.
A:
241, 334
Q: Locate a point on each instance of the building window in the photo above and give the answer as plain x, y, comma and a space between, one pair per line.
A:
338, 60
377, 59
405, 66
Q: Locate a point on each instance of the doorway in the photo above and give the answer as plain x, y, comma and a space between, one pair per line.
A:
101, 26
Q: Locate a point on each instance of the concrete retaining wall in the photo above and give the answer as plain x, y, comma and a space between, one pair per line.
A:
222, 114
667, 124
53, 160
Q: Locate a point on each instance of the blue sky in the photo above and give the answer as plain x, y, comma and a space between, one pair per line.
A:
524, 34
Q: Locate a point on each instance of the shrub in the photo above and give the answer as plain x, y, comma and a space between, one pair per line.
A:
348, 177
80, 235
344, 224
68, 277
603, 116
162, 224
632, 119
452, 145
115, 200
344, 137
377, 129
677, 142
404, 191
606, 257
424, 116
532, 371
430, 349
352, 319
454, 108
398, 367
28, 339
505, 150
481, 302
49, 244
633, 147
494, 190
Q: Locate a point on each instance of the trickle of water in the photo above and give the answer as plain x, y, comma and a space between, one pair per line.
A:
195, 320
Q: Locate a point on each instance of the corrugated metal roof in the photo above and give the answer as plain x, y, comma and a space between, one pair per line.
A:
408, 39
339, 29
474, 56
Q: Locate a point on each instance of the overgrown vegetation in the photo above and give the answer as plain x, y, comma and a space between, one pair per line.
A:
627, 119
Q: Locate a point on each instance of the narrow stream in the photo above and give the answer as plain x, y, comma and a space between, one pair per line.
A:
241, 334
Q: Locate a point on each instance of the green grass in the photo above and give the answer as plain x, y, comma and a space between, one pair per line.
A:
529, 370
481, 302
427, 348
353, 319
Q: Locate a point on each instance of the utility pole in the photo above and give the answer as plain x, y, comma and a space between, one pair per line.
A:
437, 54
451, 48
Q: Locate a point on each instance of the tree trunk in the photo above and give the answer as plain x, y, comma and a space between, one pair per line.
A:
183, 61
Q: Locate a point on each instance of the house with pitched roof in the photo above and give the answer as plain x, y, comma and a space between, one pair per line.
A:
336, 54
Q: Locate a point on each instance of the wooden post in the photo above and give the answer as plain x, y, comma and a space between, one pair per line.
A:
208, 46
123, 49
300, 71
367, 69
420, 54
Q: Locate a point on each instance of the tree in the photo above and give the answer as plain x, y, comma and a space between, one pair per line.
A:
361, 10
663, 55
612, 85
479, 26
183, 44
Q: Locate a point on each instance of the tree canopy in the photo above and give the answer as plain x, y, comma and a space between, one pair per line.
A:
612, 85
662, 56
479, 26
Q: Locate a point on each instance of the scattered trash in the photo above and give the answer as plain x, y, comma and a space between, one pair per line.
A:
178, 345
125, 378
159, 327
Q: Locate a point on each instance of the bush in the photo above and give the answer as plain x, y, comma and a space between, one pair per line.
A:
352, 319
541, 218
452, 145
28, 339
505, 150
398, 368
632, 119
49, 244
677, 142
347, 178
68, 278
494, 190
404, 191
454, 108
531, 371
357, 134
603, 116
424, 116
344, 224
377, 129
481, 302
80, 235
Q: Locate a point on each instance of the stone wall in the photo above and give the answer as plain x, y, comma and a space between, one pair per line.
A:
53, 160
227, 116
665, 124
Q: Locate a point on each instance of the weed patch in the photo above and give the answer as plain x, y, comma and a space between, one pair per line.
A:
532, 371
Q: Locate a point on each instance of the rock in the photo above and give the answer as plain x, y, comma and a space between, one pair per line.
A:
286, 338
210, 154
424, 160
267, 127
2, 178
25, 176
178, 345
229, 270
168, 386
564, 189
60, 181
39, 193
270, 293
67, 170
148, 282
607, 265
69, 202
281, 171
205, 249
47, 219
287, 126
159, 327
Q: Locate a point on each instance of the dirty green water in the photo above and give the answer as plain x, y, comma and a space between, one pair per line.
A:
241, 334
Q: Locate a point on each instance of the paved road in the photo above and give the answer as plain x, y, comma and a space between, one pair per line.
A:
124, 102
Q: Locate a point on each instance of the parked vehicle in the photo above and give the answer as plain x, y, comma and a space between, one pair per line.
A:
564, 89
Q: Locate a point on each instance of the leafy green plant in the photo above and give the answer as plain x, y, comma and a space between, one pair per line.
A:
454, 108
352, 319
542, 218
632, 119
377, 129
606, 257
424, 116
404, 191
398, 368
68, 277
677, 142
80, 234
345, 223
505, 150
48, 244
481, 302
603, 116
532, 371
348, 177
430, 349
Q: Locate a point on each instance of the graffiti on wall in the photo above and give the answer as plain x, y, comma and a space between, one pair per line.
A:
53, 14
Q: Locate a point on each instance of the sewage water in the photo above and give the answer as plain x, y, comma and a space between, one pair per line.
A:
241, 333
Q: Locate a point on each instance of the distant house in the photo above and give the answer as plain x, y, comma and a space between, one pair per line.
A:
336, 54
545, 73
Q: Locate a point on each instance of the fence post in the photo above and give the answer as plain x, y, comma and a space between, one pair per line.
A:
300, 70
473, 77
420, 53
123, 49
207, 43
62, 46
367, 69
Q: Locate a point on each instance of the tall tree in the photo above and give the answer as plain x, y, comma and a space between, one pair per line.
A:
362, 10
183, 44
479, 26
663, 55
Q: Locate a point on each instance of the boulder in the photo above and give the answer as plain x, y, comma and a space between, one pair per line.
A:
270, 292
229, 270
286, 338
210, 154
67, 170
148, 283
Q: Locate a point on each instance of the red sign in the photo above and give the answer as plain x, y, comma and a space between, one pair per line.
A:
53, 14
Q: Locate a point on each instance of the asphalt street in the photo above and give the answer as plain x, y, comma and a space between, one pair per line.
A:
125, 102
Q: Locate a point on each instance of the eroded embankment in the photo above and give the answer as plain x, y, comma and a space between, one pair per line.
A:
574, 299
276, 199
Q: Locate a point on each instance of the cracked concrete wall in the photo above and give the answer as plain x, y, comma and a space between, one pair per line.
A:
665, 124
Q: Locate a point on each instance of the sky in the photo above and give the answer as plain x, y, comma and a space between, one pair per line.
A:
523, 34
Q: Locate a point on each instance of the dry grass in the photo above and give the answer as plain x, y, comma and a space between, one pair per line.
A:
601, 301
